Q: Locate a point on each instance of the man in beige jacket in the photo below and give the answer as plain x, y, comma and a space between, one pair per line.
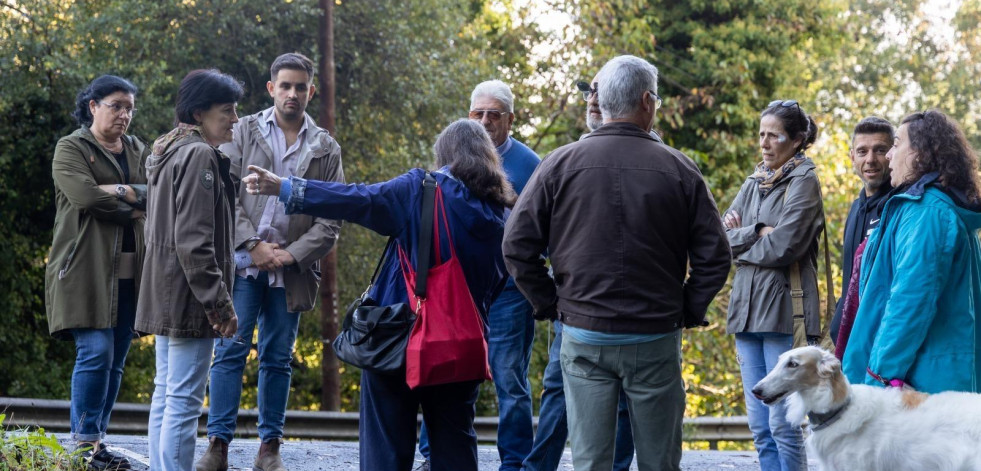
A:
277, 260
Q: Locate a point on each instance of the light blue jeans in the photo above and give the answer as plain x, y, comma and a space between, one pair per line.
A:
779, 444
650, 374
182, 372
255, 303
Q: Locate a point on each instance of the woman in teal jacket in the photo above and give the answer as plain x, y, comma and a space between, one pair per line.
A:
920, 286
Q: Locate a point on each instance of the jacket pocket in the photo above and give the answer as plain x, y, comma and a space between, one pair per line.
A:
68, 261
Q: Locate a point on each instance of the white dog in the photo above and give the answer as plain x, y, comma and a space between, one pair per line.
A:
870, 428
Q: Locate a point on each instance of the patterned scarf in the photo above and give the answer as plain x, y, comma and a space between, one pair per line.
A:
181, 131
768, 177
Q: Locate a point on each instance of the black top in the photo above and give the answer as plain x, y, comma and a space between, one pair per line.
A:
129, 237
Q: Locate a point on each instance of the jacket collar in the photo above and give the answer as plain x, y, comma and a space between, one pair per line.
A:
620, 129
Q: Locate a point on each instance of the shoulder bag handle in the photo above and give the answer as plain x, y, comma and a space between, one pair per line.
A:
425, 234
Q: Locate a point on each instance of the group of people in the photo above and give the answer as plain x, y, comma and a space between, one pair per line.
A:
217, 230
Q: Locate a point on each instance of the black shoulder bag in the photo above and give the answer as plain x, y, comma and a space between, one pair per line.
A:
374, 337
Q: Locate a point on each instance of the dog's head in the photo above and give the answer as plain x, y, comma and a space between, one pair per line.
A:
809, 371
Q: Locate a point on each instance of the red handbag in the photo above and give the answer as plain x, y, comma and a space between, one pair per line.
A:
447, 343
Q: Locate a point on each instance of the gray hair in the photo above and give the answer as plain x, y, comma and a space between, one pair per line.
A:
495, 89
622, 83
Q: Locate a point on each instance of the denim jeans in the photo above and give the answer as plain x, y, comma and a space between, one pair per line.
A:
182, 371
779, 444
650, 374
100, 355
510, 334
387, 425
255, 303
553, 427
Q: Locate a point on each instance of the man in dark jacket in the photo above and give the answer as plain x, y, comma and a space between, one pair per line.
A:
871, 140
638, 252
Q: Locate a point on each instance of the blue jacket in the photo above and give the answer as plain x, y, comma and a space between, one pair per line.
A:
392, 208
920, 293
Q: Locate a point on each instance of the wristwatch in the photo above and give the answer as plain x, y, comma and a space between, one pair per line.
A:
121, 191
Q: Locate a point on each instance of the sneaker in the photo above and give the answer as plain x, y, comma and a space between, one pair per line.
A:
103, 459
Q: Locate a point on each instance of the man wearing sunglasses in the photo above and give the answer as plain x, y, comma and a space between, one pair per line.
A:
638, 252
511, 327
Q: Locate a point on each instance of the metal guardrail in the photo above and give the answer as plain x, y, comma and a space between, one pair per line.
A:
132, 419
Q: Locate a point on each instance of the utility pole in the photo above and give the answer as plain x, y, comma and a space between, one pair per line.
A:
330, 396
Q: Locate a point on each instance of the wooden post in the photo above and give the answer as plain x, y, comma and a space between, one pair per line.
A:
330, 396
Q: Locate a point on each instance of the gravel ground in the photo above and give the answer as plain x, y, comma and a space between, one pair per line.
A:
343, 456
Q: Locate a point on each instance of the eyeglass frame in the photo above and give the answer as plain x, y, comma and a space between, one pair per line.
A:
115, 106
484, 112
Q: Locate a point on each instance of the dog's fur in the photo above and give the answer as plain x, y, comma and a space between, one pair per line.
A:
880, 429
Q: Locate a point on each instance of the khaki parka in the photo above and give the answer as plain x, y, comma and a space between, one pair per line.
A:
81, 277
189, 268
760, 299
308, 238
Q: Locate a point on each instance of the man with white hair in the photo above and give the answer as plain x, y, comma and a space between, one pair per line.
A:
511, 328
638, 252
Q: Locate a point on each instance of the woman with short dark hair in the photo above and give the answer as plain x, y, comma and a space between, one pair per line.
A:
187, 274
475, 192
96, 250
773, 227
920, 284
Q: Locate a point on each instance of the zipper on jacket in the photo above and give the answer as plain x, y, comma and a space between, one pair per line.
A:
68, 262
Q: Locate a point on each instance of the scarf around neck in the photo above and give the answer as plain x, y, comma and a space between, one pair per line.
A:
181, 131
768, 178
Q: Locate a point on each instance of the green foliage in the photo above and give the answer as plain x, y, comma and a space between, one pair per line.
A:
405, 69
33, 450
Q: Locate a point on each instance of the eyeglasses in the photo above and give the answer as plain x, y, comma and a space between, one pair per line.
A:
237, 340
493, 115
657, 100
587, 91
118, 109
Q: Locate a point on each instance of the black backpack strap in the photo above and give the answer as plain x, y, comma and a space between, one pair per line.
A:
425, 234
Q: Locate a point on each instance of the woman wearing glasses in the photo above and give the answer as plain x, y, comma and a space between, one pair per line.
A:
773, 227
921, 271
189, 263
96, 251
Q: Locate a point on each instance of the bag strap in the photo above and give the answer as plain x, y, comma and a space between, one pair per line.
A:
796, 287
829, 309
425, 234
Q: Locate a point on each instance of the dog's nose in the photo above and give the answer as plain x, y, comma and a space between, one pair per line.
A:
758, 392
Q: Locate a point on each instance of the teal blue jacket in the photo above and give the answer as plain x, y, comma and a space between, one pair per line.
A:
920, 293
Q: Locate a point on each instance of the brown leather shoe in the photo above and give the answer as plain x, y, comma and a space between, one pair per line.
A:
268, 458
216, 458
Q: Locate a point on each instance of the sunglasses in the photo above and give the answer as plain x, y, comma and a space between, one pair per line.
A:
586, 89
493, 115
785, 104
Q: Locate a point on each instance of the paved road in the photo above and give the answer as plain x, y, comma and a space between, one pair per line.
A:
343, 456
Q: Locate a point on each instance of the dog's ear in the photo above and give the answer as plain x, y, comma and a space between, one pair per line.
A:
829, 366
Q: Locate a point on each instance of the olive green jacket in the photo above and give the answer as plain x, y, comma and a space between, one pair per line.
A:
189, 269
81, 278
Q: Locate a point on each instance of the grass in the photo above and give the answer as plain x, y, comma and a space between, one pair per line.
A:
33, 450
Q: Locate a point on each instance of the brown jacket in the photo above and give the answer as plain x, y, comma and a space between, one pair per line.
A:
189, 267
308, 238
634, 236
81, 279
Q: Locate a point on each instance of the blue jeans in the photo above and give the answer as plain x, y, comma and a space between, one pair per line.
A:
387, 425
255, 302
553, 428
100, 355
182, 371
650, 374
510, 334
779, 444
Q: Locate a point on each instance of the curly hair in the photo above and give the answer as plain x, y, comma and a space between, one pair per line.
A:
941, 147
